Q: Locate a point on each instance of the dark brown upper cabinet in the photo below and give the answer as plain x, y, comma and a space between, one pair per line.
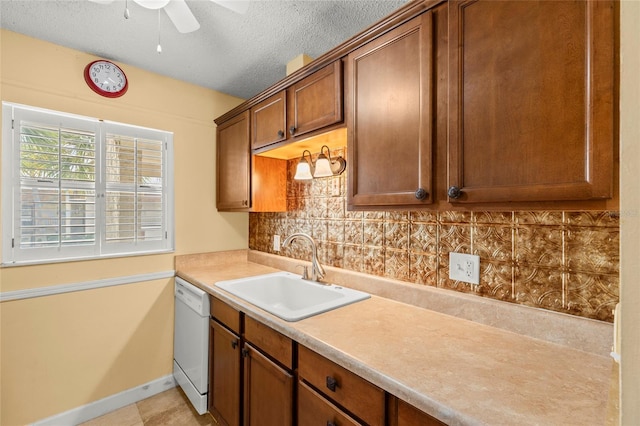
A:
247, 182
531, 96
233, 164
316, 101
390, 118
269, 121
312, 103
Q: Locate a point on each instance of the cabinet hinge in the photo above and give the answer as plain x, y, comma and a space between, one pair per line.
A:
13, 243
12, 124
166, 235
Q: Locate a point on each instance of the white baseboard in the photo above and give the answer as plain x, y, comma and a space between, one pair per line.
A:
108, 404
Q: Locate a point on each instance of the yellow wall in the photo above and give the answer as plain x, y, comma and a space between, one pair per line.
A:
60, 352
630, 210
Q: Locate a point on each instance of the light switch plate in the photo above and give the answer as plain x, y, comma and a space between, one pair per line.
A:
464, 267
276, 243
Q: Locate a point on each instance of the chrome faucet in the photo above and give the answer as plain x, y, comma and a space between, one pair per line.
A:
317, 271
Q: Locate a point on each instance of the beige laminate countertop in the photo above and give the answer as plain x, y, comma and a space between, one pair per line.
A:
458, 371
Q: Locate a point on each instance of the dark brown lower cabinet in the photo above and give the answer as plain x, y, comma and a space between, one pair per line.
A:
268, 391
408, 415
314, 409
342, 387
252, 383
225, 365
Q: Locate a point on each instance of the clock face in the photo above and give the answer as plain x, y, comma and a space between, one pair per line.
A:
106, 78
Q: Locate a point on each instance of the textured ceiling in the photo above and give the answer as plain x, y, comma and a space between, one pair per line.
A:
238, 54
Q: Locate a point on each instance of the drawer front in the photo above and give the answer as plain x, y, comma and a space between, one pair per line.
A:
409, 415
354, 393
314, 409
225, 314
277, 345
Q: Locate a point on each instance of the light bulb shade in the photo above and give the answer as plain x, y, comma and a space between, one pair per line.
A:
303, 171
323, 167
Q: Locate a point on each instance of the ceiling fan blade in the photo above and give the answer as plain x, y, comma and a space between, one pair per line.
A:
237, 6
181, 16
152, 4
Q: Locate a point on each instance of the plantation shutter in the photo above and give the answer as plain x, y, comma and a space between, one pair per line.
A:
135, 187
56, 193
74, 187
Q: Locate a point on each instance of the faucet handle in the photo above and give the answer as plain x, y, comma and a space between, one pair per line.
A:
305, 271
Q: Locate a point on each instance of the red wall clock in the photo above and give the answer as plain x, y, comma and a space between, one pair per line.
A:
106, 78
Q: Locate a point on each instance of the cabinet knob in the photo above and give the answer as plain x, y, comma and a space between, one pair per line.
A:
330, 423
280, 134
454, 192
245, 202
331, 383
234, 344
244, 352
421, 194
292, 130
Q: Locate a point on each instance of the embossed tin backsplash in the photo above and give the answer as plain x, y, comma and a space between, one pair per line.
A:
561, 261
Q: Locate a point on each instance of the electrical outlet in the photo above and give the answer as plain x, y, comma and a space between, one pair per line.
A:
464, 267
335, 186
276, 243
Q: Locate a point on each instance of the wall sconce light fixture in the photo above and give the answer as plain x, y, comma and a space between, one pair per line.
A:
323, 167
303, 169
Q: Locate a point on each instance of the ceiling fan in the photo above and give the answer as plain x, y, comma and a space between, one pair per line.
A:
179, 12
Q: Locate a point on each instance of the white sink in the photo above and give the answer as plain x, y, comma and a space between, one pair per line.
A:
289, 297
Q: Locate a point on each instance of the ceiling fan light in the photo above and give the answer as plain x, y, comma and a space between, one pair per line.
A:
152, 4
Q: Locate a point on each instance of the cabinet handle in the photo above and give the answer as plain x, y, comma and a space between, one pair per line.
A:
280, 134
244, 352
330, 423
454, 192
292, 130
234, 344
421, 194
331, 383
245, 202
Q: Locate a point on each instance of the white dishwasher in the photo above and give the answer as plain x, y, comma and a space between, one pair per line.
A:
191, 343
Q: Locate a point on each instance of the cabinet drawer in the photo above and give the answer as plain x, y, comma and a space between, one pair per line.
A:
313, 408
225, 314
277, 345
357, 395
409, 415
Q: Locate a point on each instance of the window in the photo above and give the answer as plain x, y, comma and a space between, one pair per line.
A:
75, 187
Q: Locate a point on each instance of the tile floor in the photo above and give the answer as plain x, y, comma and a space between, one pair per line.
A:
168, 408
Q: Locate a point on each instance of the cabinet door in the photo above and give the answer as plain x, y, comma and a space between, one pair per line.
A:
314, 409
224, 383
390, 119
531, 98
269, 121
316, 101
233, 164
268, 391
